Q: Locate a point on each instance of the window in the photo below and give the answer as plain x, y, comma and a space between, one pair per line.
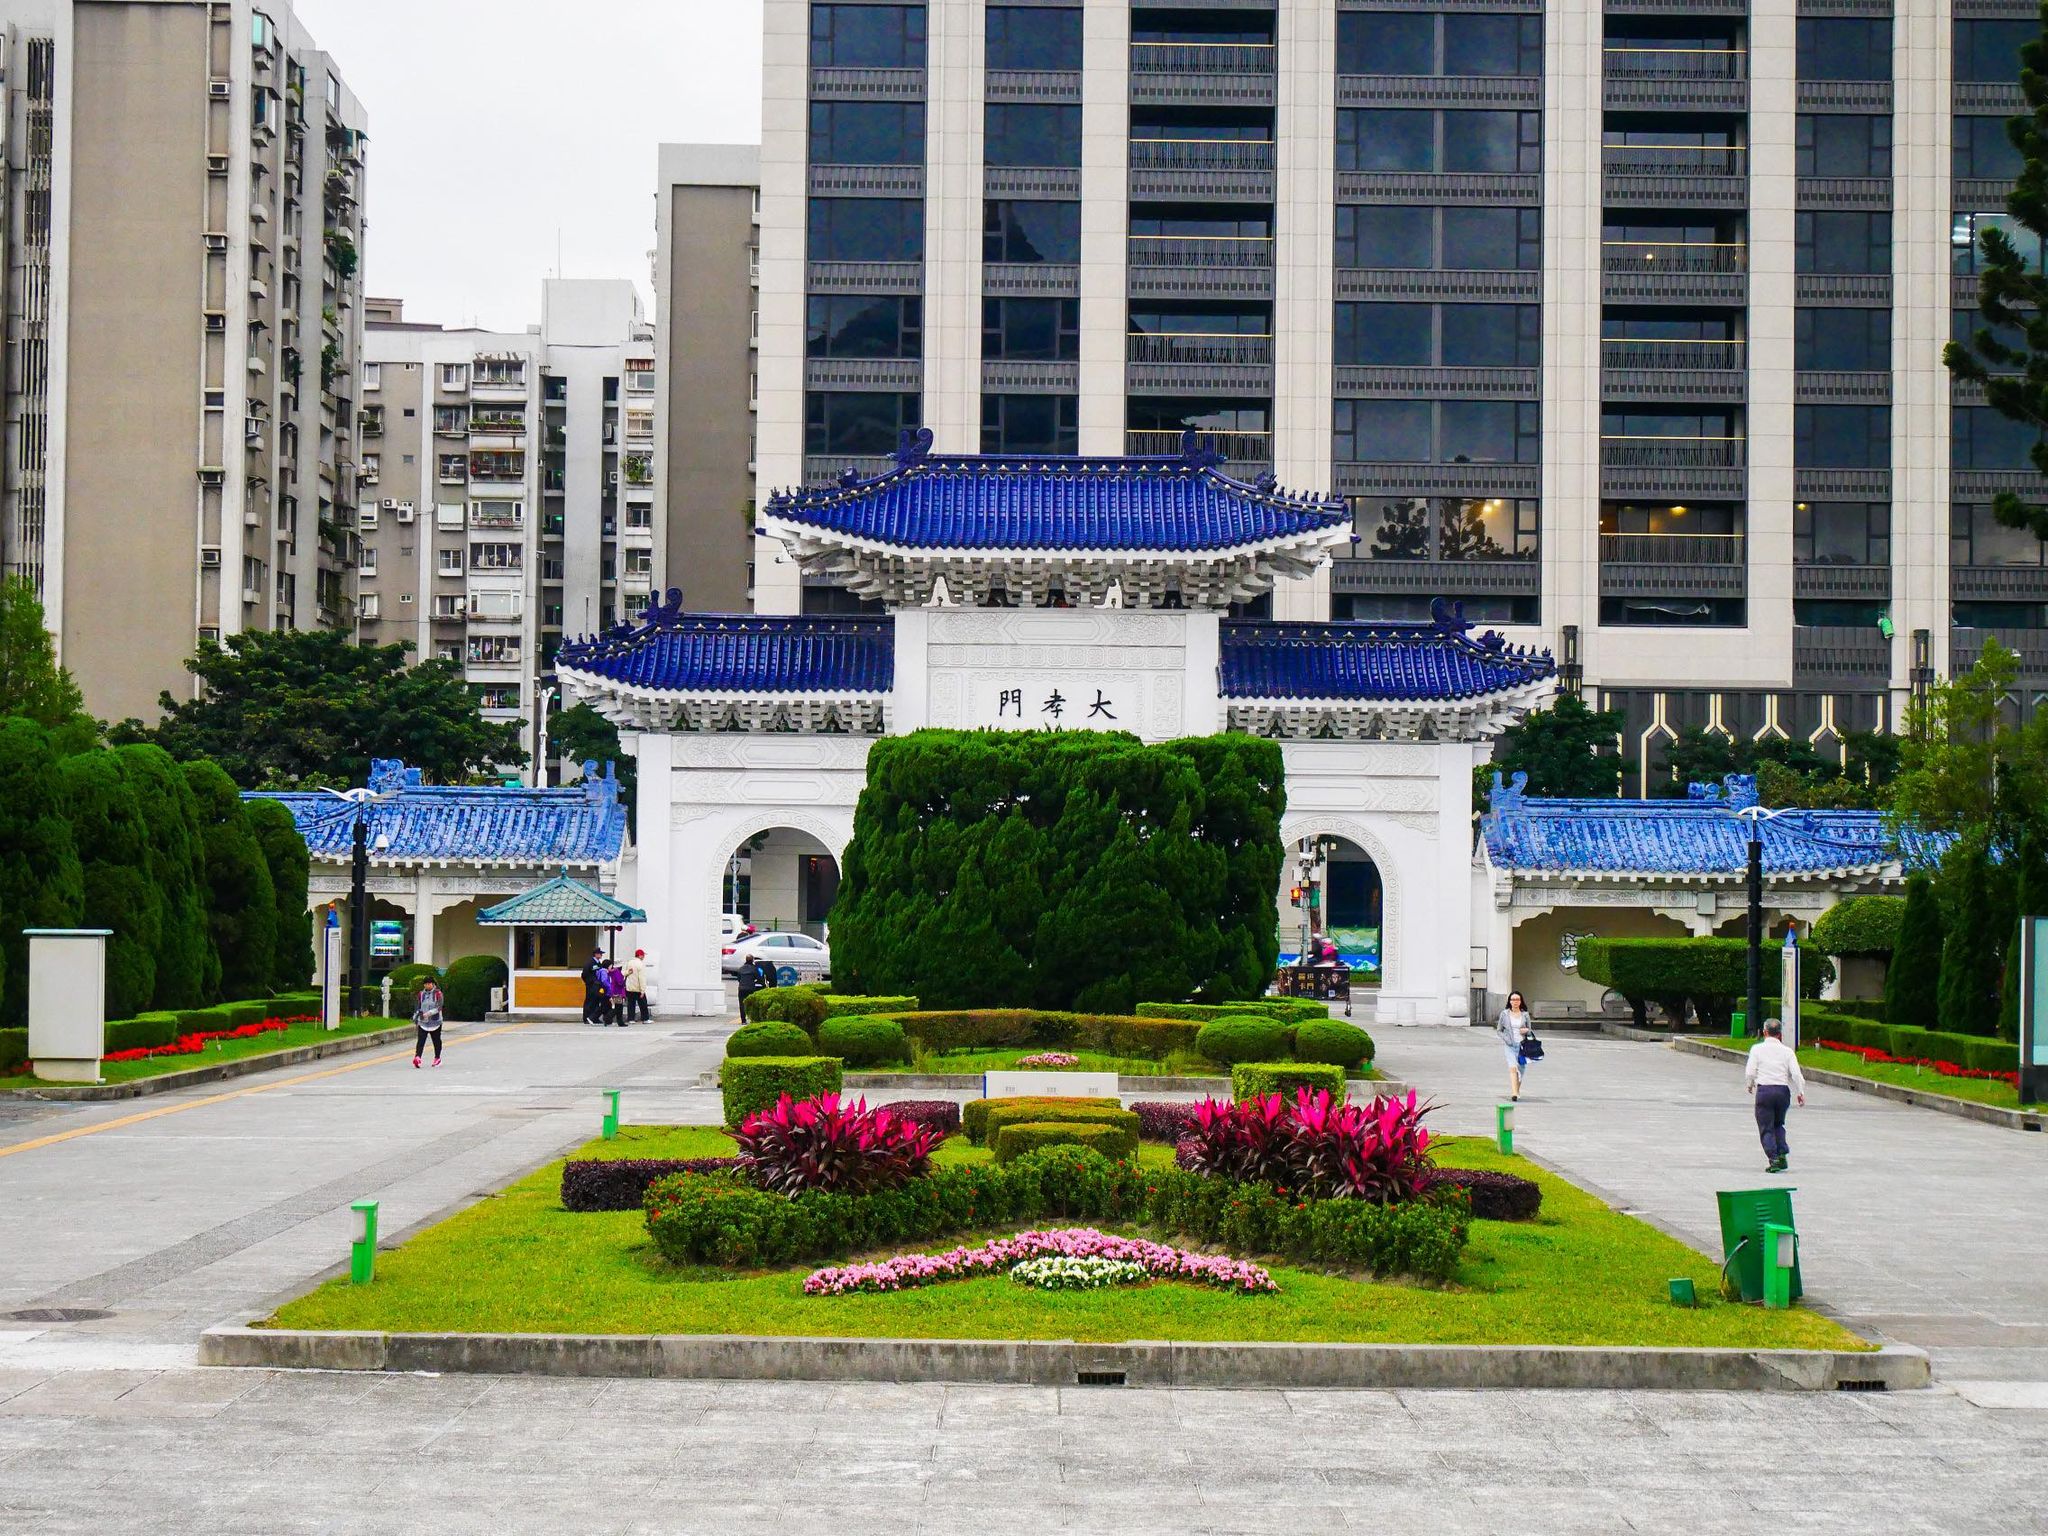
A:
1486, 432
1450, 335
1492, 45
496, 557
1842, 436
1672, 612
1498, 239
367, 564
1491, 335
1990, 50
1981, 438
1492, 239
1030, 232
1853, 340
1842, 242
1493, 141
837, 422
1435, 432
1842, 533
1385, 335
1030, 424
1977, 537
1386, 43
455, 376
451, 421
1449, 528
454, 468
494, 650
1033, 37
1385, 237
499, 696
1844, 144
868, 36
1034, 135
866, 229
1386, 139
448, 562
1847, 48
368, 605
373, 376
1966, 234
369, 468
1408, 43
1967, 323
868, 132
1031, 330
863, 325
1984, 149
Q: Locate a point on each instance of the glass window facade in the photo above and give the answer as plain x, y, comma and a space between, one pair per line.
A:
1034, 37
868, 36
864, 325
1030, 424
1850, 340
1435, 431
1032, 134
1842, 242
1031, 330
867, 133
1846, 48
1842, 436
1842, 533
1030, 231
850, 422
866, 229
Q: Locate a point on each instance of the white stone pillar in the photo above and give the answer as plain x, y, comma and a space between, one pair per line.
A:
954, 178
1105, 223
423, 910
785, 181
67, 1002
1773, 204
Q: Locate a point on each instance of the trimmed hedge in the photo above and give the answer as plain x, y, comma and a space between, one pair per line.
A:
412, 973
1163, 1120
1243, 1037
144, 1032
1006, 1112
13, 1051
1288, 1010
756, 1082
1973, 1051
620, 1183
802, 1005
1113, 1034
1112, 1141
716, 1219
1494, 1196
840, 1005
1332, 1040
863, 1040
1262, 1079
466, 989
1710, 973
974, 1116
1860, 925
772, 1038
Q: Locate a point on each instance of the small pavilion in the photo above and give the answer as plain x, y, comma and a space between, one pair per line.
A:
550, 931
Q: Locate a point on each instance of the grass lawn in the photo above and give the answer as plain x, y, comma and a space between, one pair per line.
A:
218, 1051
516, 1262
1978, 1090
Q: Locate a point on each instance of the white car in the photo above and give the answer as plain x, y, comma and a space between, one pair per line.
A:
730, 925
795, 956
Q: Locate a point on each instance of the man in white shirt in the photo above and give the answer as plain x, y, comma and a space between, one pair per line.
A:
1773, 1075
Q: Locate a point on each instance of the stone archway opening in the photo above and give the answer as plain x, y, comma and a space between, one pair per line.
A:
781, 879
1349, 907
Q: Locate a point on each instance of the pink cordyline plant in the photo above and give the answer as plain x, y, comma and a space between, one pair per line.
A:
1316, 1147
819, 1143
996, 1256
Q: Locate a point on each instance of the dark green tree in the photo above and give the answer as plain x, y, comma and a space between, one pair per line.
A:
583, 735
1912, 982
1567, 750
187, 968
1972, 938
41, 883
298, 707
241, 904
284, 853
113, 851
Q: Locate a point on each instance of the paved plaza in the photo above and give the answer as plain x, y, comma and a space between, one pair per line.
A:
171, 1213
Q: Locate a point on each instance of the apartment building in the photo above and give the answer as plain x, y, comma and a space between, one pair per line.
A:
508, 485
1619, 324
707, 281
184, 239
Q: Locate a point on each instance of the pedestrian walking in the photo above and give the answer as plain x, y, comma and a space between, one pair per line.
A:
426, 1021
755, 975
615, 995
1773, 1075
1517, 1033
593, 988
636, 986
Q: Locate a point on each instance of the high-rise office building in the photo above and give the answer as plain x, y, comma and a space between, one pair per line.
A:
184, 240
508, 485
1619, 324
707, 282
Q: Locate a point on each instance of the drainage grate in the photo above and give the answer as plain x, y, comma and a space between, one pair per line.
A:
1099, 1379
58, 1315
1861, 1386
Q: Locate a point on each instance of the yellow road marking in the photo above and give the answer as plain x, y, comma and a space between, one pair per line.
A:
222, 1098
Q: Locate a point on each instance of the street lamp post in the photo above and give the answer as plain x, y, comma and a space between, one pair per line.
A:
359, 802
540, 755
1756, 816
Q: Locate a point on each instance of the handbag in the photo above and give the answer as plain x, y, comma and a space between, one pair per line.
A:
1532, 1048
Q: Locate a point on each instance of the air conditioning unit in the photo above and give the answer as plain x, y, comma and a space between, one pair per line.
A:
210, 632
253, 428
404, 512
216, 165
216, 242
213, 478
390, 504
220, 90
209, 557
216, 321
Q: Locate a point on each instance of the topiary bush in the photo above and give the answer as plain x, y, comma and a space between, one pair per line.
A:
1860, 925
1912, 981
1261, 1079
1288, 1010
620, 1183
13, 1051
1493, 1196
803, 1006
467, 986
1112, 1141
1242, 1037
772, 1038
1052, 1111
840, 1004
1711, 974
144, 1032
863, 1041
412, 973
1113, 1034
974, 1117
1332, 1040
750, 1083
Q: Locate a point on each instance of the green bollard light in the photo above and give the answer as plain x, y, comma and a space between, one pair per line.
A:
362, 1256
1683, 1293
1781, 1253
611, 1114
1504, 1128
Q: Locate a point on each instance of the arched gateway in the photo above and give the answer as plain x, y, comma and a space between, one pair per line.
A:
1056, 593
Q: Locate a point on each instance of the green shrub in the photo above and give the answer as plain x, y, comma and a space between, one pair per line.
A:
1242, 1037
240, 897
803, 1006
145, 1031
773, 1038
1972, 940
1112, 1141
1860, 925
974, 1117
839, 1005
468, 984
1053, 1112
284, 852
1332, 1040
1855, 1008
994, 1029
1261, 1079
755, 1082
1913, 979
412, 973
13, 1051
1288, 1010
1712, 974
862, 1040
291, 1004
403, 1001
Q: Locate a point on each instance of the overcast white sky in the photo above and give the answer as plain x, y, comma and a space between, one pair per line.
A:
498, 125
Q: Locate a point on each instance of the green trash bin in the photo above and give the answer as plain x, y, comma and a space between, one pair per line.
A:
1744, 1213
1738, 1024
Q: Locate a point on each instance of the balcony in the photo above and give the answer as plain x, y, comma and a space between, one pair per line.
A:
1672, 370
865, 277
1221, 266
1203, 362
1673, 176
1467, 578
1657, 271
1247, 453
1835, 656
1201, 168
2031, 646
1203, 74
1999, 583
1695, 468
1668, 79
1865, 583
1672, 565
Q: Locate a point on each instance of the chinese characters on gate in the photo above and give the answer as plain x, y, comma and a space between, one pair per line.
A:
1051, 713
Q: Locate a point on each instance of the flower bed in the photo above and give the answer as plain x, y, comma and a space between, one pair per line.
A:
1062, 1274
1163, 1119
1152, 1260
194, 1044
1870, 1053
1050, 1061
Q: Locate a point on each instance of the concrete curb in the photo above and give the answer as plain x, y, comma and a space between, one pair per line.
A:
241, 1066
1630, 1032
1064, 1363
1989, 1114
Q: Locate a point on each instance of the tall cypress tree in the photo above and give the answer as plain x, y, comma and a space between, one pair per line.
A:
1913, 979
187, 968
1970, 945
241, 904
284, 851
41, 884
113, 850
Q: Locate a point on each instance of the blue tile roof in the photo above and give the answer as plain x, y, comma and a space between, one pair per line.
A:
562, 903
1025, 502
582, 824
1694, 836
740, 653
1438, 660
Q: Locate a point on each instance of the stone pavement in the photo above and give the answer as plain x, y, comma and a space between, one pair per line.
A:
175, 1220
